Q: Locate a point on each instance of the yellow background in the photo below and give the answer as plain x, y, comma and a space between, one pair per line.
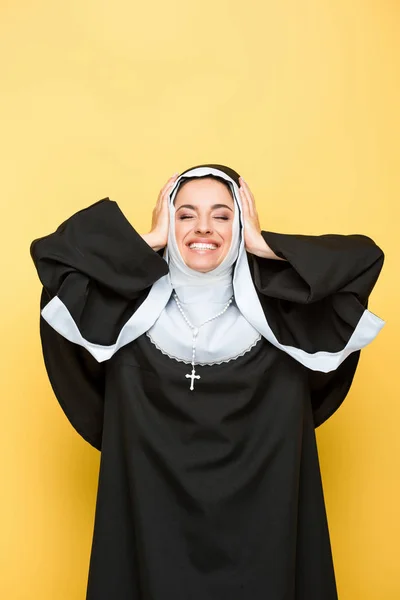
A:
111, 98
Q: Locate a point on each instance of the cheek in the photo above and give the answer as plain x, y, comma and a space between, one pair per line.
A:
181, 229
228, 236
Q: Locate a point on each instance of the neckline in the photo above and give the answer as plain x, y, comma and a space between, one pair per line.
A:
206, 364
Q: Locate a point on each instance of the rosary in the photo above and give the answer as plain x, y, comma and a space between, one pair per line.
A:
195, 330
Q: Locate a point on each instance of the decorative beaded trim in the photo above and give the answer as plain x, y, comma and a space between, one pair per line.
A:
189, 362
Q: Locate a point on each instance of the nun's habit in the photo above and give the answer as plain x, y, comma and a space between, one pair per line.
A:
215, 492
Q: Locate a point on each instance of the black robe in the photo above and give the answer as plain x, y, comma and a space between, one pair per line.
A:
215, 493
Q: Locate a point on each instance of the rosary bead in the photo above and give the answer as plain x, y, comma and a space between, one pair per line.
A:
195, 331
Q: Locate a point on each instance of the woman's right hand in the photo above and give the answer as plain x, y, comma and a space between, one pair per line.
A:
158, 236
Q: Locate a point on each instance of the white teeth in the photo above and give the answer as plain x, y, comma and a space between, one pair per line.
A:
203, 246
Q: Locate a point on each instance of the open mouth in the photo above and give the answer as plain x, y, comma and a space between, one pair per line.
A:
202, 248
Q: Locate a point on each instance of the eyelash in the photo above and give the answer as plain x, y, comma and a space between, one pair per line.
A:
190, 217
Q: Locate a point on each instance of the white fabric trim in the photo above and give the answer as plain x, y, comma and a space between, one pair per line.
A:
58, 316
368, 327
219, 362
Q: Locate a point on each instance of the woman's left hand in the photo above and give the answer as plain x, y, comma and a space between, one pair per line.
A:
253, 239
252, 230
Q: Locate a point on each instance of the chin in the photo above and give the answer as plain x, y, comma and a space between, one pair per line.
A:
203, 266
201, 263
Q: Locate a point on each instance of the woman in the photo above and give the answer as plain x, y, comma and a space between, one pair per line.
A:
200, 358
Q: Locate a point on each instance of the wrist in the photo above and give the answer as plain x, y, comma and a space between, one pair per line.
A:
262, 250
153, 240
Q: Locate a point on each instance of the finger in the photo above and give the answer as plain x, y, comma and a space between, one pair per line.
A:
164, 197
252, 201
245, 203
171, 180
165, 187
248, 200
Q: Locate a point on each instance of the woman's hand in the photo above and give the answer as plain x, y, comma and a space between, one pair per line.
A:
158, 236
252, 228
253, 240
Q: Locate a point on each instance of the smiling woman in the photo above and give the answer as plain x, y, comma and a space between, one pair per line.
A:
204, 211
209, 485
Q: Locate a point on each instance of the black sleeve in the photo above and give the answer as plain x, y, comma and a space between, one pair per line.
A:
98, 266
318, 266
102, 269
317, 301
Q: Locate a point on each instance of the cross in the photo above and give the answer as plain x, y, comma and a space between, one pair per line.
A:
192, 377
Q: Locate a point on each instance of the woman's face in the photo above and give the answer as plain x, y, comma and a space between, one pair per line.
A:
204, 210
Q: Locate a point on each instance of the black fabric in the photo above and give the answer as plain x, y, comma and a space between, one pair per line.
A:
77, 379
100, 267
216, 493
211, 494
315, 298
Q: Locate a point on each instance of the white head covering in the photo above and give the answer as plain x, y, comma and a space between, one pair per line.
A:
202, 296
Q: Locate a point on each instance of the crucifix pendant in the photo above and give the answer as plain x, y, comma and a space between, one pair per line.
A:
192, 377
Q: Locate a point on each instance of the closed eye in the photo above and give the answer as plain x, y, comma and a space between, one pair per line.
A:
190, 217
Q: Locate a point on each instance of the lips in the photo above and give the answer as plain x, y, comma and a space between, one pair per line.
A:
198, 241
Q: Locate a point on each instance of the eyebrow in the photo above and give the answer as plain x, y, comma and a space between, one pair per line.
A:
214, 206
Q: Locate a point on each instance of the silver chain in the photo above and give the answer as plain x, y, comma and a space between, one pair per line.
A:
195, 330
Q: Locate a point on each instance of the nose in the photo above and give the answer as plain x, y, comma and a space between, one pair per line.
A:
203, 226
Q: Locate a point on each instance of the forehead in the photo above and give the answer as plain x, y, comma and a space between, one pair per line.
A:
204, 190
